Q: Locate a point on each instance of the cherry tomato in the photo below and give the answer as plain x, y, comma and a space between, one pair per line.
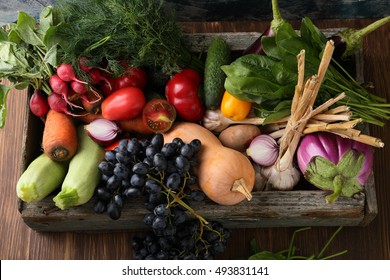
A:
159, 115
123, 104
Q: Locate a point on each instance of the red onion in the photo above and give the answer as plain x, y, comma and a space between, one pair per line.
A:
334, 163
103, 131
263, 150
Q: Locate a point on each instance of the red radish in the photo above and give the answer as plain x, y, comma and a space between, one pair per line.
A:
61, 87
38, 104
67, 73
105, 83
100, 76
79, 88
82, 61
80, 92
85, 98
108, 87
96, 76
58, 103
58, 85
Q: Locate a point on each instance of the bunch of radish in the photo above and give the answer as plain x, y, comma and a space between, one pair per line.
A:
67, 87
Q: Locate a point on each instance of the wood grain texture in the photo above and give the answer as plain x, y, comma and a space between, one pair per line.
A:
18, 241
266, 209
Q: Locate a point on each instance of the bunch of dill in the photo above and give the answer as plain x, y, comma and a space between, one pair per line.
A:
143, 32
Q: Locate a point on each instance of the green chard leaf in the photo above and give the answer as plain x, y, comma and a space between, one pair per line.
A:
295, 45
13, 36
4, 90
311, 34
48, 18
51, 56
259, 61
255, 85
283, 75
3, 35
273, 111
269, 47
26, 28
233, 88
12, 59
285, 32
251, 65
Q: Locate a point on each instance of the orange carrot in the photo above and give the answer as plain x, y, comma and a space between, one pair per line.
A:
135, 125
59, 141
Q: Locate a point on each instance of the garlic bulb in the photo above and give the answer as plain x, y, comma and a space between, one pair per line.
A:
283, 180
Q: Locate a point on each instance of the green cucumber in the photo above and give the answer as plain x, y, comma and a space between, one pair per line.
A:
42, 176
83, 175
218, 54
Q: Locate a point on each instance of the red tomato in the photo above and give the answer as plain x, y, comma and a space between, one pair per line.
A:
134, 77
123, 104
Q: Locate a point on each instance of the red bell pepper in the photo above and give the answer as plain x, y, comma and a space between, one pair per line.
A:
182, 91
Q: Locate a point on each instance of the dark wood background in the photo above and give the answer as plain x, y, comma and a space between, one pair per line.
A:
229, 10
371, 242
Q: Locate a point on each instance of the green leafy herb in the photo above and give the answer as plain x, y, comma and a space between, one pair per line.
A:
142, 32
282, 50
28, 53
289, 253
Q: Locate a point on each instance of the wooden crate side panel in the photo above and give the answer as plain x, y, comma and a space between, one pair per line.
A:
266, 209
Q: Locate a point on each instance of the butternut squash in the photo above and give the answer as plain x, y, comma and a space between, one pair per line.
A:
225, 175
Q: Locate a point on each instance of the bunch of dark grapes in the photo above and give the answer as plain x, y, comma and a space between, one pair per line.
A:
163, 174
189, 240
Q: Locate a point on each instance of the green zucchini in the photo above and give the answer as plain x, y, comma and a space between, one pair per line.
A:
218, 54
42, 176
83, 174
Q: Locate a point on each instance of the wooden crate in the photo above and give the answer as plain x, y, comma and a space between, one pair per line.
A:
267, 209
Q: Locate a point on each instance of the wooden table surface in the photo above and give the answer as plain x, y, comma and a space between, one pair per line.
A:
372, 242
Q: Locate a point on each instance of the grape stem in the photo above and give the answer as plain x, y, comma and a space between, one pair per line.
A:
176, 198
